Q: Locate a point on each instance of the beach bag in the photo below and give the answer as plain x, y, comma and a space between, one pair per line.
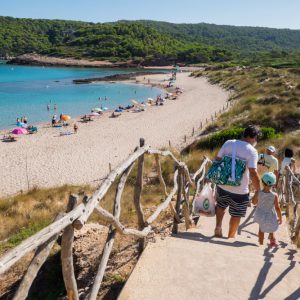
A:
228, 171
205, 202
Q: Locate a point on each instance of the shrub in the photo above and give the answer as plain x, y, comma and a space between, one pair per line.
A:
218, 139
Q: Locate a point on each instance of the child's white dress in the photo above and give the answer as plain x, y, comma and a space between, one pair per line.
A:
265, 214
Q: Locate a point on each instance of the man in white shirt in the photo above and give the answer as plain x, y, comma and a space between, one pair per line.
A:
237, 197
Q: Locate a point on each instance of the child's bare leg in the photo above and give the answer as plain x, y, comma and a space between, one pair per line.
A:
261, 237
272, 236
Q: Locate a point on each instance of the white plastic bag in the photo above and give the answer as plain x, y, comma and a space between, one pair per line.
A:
205, 202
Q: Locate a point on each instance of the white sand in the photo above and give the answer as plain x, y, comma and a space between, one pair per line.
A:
83, 158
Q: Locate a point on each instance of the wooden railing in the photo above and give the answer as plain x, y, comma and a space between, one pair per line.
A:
78, 214
292, 203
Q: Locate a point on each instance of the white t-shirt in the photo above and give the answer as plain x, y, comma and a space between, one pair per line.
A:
287, 161
246, 152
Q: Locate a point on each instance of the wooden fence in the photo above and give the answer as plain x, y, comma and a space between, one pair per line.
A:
77, 215
290, 196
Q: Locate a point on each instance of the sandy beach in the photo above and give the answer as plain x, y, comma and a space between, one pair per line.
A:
48, 159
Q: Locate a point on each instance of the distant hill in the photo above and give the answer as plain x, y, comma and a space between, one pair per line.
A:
145, 42
234, 38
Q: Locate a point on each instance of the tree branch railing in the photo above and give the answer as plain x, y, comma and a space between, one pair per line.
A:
292, 204
78, 214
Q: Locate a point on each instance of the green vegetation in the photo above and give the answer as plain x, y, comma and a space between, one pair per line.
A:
150, 42
218, 139
237, 39
120, 41
266, 96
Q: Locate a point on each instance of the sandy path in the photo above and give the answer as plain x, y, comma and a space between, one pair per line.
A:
195, 265
83, 157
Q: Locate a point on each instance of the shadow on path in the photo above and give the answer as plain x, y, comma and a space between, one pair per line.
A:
257, 292
294, 296
196, 236
246, 222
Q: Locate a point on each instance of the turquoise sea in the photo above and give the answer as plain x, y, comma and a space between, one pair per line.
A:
27, 90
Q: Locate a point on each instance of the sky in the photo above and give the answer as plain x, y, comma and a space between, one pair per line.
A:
266, 13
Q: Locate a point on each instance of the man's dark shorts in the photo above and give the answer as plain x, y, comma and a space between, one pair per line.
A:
238, 204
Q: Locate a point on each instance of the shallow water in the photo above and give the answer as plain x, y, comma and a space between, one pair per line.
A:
26, 91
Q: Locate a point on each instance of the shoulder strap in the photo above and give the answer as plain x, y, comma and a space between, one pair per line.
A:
233, 161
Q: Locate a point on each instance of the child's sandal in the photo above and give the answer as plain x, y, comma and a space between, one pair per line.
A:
273, 243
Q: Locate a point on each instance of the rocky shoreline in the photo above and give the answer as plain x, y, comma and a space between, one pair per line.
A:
115, 77
33, 59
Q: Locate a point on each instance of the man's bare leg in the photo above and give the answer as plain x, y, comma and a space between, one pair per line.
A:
219, 218
233, 226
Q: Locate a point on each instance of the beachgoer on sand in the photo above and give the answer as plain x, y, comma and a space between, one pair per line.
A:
75, 128
267, 214
53, 121
238, 158
269, 161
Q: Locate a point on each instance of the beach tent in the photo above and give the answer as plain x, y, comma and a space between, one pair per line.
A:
94, 114
23, 125
97, 109
19, 131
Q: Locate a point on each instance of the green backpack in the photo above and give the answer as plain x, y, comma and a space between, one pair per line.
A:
228, 171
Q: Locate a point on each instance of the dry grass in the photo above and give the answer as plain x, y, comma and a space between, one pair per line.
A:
25, 214
267, 97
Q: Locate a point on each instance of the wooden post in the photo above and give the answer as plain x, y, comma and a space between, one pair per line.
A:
215, 114
178, 201
40, 257
212, 117
111, 236
286, 194
186, 207
160, 177
201, 125
169, 143
137, 195
109, 167
297, 233
185, 138
67, 255
193, 132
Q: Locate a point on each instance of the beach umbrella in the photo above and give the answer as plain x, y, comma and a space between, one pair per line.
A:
150, 99
135, 102
19, 131
65, 117
97, 109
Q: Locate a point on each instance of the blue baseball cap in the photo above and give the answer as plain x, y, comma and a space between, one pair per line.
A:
269, 179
